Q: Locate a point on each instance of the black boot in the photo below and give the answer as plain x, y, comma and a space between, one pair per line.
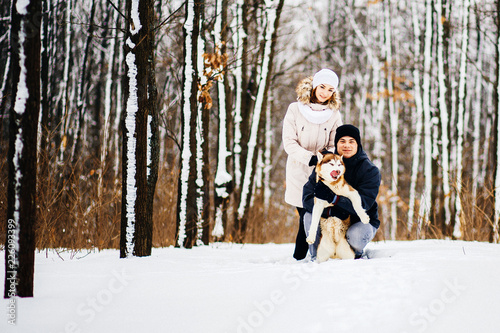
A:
358, 255
301, 245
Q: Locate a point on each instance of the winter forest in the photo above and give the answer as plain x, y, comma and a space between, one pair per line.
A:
134, 124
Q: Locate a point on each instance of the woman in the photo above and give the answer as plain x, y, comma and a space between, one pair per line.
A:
309, 126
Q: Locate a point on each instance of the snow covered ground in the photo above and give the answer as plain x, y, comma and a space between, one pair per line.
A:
418, 286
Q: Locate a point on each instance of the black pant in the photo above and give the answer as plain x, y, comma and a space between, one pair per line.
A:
301, 246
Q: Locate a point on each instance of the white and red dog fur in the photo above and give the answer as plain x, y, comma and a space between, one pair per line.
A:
330, 169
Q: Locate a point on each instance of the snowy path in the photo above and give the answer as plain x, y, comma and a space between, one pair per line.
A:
420, 286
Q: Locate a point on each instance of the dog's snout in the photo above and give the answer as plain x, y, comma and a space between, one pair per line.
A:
335, 173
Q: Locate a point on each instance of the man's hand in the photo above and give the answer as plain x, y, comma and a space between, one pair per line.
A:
335, 211
323, 192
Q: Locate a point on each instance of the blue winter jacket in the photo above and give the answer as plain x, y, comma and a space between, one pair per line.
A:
361, 174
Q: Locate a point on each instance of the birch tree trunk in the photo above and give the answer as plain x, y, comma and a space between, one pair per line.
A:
417, 119
496, 131
393, 119
487, 167
44, 103
240, 42
64, 102
425, 201
22, 156
476, 115
457, 232
443, 112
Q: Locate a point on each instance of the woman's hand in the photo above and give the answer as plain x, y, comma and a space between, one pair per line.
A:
313, 161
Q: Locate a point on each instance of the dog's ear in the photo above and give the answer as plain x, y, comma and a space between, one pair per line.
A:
320, 156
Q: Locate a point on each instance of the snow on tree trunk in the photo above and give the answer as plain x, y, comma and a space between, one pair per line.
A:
200, 182
259, 175
417, 119
267, 163
5, 77
239, 41
457, 232
136, 229
22, 157
186, 152
119, 110
222, 176
443, 111
130, 187
270, 40
187, 203
201, 143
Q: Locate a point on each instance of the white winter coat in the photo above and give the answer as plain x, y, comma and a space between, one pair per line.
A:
303, 137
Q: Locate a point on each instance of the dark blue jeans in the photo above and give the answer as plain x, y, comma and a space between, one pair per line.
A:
360, 234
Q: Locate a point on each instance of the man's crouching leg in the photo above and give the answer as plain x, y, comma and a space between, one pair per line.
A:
358, 235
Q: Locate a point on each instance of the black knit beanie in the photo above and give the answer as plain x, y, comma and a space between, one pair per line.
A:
347, 130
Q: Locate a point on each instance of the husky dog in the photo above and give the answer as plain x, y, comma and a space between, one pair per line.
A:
330, 169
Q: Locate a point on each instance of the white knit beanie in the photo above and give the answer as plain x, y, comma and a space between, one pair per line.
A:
326, 76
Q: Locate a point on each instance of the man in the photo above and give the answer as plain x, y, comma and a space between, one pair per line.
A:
361, 174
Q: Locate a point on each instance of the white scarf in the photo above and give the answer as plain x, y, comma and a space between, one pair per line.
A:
315, 116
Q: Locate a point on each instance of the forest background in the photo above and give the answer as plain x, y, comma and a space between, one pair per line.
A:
420, 79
